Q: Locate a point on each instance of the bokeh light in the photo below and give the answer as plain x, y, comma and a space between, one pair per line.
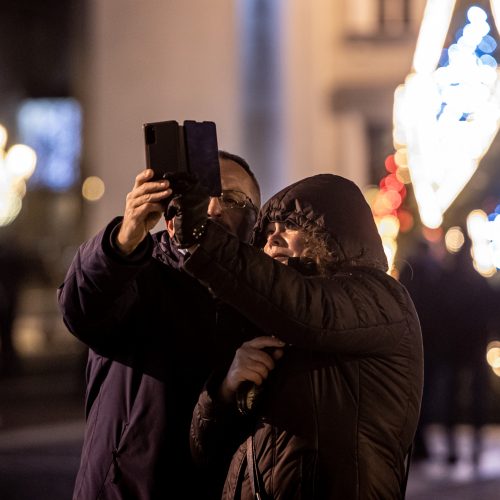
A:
485, 239
454, 239
93, 188
493, 356
16, 167
3, 137
20, 160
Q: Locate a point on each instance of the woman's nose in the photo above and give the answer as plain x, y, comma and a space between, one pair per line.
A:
275, 238
214, 207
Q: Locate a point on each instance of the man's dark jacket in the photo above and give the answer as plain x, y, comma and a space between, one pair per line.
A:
339, 412
150, 328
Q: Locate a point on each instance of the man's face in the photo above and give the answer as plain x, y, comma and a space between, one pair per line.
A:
283, 242
237, 186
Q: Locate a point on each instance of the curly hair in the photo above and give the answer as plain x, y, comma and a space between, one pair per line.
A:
325, 252
317, 244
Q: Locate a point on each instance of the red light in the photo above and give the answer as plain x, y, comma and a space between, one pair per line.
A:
392, 182
390, 164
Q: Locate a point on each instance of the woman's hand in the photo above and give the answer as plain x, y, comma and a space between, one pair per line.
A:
252, 362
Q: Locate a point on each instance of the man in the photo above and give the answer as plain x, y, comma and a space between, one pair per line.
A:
151, 332
337, 415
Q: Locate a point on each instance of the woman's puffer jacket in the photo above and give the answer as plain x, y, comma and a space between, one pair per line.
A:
337, 416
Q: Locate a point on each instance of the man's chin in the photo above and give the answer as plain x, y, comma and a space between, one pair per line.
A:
243, 231
225, 226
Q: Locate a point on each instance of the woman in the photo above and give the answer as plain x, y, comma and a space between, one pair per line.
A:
337, 414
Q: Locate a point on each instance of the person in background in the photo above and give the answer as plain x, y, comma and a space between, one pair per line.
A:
424, 277
455, 306
338, 359
461, 381
151, 331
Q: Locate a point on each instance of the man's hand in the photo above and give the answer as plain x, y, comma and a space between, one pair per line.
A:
251, 363
143, 209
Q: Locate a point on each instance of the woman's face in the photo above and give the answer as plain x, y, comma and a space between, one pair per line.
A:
284, 241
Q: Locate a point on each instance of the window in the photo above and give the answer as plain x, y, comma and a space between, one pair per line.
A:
52, 127
383, 19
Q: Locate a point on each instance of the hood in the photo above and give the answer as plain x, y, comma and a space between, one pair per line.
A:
334, 205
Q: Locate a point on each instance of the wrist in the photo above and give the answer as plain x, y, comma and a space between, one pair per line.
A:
123, 244
225, 394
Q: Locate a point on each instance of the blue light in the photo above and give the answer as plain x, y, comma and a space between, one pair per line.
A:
444, 59
487, 45
52, 127
488, 60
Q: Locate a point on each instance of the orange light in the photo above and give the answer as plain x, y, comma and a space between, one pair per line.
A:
406, 220
393, 199
433, 235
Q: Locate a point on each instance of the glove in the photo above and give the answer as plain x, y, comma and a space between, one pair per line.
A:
188, 207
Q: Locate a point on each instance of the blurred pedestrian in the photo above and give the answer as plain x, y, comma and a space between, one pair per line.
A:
423, 276
454, 304
464, 373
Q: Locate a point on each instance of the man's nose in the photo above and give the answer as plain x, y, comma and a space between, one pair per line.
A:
214, 207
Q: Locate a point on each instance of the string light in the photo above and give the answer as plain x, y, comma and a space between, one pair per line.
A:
446, 117
17, 165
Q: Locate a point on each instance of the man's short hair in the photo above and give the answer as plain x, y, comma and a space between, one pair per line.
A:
224, 155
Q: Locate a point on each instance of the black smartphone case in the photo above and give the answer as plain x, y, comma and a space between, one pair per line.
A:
189, 148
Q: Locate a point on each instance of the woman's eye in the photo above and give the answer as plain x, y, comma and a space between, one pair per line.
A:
269, 230
291, 225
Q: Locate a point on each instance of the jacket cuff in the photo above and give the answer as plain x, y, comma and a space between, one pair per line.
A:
142, 253
210, 406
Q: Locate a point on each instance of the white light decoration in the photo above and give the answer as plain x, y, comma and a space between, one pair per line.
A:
454, 239
493, 356
21, 161
3, 137
485, 238
445, 118
16, 166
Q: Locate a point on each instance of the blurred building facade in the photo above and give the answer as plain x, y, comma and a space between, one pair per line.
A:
296, 87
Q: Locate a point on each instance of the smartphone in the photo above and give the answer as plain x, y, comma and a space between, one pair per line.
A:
191, 147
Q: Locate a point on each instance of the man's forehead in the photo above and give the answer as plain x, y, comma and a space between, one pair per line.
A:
234, 177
